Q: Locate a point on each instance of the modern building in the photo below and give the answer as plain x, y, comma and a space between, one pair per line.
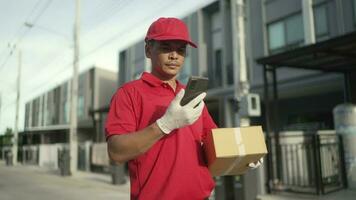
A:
306, 98
46, 131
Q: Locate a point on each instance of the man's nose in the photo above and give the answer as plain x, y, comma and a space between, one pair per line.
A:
173, 54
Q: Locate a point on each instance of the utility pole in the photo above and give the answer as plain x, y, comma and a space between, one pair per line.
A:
73, 135
239, 55
308, 21
251, 181
16, 131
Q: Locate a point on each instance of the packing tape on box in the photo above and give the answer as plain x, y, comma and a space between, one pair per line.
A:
240, 148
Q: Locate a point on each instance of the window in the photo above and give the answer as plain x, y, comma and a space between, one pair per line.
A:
66, 112
81, 96
43, 111
123, 68
215, 55
218, 64
80, 107
285, 34
321, 22
294, 29
35, 116
276, 35
56, 105
64, 103
354, 4
186, 70
27, 114
139, 60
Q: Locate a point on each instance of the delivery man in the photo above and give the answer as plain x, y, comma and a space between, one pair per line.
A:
147, 126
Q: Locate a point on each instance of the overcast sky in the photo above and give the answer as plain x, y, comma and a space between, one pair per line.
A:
107, 26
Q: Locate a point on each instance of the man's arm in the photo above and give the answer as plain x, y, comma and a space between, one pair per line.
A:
122, 148
128, 146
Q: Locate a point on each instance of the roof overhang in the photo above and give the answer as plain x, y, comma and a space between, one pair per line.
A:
334, 55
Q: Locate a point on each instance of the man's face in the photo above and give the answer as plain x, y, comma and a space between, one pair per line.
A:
167, 57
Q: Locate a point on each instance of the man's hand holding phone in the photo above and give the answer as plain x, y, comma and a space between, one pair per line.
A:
178, 116
196, 85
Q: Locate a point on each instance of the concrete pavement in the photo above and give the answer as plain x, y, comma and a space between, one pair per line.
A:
345, 194
32, 182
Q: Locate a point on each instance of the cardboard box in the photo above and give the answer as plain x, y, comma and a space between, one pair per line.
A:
229, 150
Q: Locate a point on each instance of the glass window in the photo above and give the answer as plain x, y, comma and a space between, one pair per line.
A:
81, 95
276, 35
66, 112
320, 21
354, 12
186, 71
217, 67
56, 98
216, 22
123, 69
27, 114
80, 107
50, 108
64, 91
139, 60
287, 33
43, 111
295, 29
215, 57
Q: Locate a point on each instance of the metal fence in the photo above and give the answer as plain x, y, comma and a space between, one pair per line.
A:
307, 163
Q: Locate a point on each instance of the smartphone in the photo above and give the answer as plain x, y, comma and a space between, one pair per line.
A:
196, 85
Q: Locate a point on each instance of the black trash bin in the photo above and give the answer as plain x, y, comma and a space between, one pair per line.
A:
64, 162
118, 174
8, 158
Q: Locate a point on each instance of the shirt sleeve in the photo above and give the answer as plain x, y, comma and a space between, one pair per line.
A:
121, 117
208, 122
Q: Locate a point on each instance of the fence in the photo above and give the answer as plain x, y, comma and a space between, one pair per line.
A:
307, 163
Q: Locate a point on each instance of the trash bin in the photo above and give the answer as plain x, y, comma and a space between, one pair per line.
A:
8, 158
64, 162
117, 174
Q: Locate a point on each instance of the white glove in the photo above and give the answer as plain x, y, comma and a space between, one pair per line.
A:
256, 164
178, 116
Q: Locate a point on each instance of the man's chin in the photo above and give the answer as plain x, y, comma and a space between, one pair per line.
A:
171, 72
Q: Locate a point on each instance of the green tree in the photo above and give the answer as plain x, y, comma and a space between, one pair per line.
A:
8, 131
8, 136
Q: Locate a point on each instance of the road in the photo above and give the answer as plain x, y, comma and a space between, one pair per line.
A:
32, 182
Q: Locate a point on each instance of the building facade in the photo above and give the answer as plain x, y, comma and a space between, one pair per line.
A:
46, 131
306, 98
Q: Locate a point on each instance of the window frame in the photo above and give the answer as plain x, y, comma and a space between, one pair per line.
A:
327, 34
286, 45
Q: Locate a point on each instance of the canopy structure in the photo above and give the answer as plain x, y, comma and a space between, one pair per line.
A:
337, 54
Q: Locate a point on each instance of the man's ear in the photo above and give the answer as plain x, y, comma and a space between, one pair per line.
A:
148, 50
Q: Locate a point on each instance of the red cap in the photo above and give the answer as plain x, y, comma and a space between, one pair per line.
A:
169, 29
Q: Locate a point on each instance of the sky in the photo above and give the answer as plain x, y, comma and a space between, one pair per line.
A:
42, 30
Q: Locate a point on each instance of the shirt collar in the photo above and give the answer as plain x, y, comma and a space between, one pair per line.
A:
154, 81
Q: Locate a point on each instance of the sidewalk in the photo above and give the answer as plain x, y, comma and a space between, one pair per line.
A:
345, 194
31, 182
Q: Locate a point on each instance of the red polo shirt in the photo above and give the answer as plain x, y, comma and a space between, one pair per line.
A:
173, 168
